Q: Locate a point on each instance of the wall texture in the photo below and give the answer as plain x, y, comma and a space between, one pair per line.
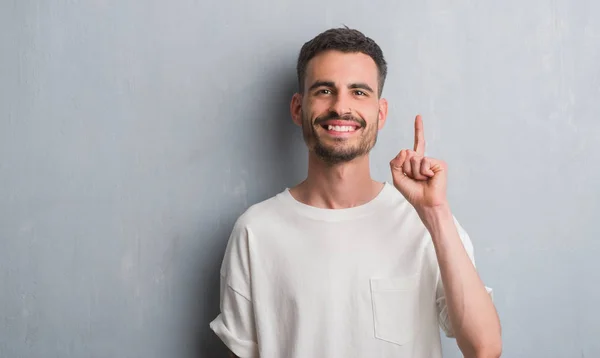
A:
133, 133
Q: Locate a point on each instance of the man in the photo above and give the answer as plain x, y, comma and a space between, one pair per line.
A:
342, 265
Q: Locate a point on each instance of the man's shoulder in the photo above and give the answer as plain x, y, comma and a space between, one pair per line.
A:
261, 212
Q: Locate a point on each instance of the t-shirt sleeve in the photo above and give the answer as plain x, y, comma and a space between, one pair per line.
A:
442, 307
235, 324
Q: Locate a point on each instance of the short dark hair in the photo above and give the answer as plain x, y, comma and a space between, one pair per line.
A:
344, 40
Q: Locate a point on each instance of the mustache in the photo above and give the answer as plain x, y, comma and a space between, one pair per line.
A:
346, 117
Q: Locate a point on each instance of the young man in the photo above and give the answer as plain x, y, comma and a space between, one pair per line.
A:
342, 265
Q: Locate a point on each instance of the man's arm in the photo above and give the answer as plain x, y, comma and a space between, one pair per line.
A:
471, 311
423, 181
235, 324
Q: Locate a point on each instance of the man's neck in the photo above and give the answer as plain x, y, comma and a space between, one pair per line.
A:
338, 186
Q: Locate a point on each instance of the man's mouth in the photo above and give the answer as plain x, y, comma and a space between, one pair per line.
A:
330, 127
340, 126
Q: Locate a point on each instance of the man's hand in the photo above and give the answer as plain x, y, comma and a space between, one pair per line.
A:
472, 314
420, 179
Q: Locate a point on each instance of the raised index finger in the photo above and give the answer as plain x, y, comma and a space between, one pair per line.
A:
419, 136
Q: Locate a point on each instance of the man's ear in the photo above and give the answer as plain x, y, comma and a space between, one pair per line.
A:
383, 111
296, 109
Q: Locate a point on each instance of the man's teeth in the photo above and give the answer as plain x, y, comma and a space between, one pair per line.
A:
341, 128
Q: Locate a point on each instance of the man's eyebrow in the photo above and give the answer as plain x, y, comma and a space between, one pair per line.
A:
362, 86
318, 84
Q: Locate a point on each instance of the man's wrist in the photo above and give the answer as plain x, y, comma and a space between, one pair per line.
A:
436, 218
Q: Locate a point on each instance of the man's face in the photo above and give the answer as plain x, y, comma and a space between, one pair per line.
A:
340, 111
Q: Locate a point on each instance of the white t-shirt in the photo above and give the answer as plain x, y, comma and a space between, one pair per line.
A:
304, 282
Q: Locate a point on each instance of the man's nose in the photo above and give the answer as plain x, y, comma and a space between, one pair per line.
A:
341, 105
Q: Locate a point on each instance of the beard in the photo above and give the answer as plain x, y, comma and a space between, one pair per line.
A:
338, 150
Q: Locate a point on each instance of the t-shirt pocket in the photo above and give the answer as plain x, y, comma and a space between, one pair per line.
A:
395, 308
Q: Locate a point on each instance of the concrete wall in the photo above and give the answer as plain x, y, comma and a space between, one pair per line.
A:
133, 133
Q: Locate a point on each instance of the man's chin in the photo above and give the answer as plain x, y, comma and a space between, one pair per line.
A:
336, 156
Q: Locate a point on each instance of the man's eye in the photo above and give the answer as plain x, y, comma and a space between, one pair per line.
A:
324, 91
360, 93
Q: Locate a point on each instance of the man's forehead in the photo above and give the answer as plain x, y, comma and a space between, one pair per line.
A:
339, 66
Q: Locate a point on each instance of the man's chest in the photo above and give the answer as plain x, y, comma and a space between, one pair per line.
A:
343, 260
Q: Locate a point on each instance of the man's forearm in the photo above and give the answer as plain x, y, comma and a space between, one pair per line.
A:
471, 311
